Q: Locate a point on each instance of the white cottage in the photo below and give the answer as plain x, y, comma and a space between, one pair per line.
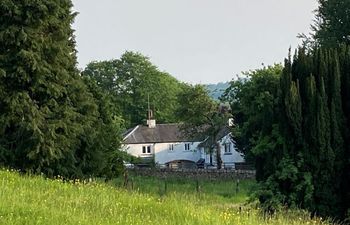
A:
167, 147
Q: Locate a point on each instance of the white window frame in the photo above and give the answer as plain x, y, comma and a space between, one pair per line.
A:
187, 147
228, 147
146, 149
171, 147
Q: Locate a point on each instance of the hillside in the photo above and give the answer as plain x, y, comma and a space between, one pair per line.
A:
216, 90
36, 200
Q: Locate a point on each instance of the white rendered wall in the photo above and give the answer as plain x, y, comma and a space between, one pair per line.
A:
136, 150
162, 153
228, 159
231, 157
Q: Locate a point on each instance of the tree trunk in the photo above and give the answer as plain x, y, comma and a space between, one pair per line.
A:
218, 155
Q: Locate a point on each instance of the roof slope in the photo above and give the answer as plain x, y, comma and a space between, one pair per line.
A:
162, 133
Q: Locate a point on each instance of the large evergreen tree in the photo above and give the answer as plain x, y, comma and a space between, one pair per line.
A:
332, 26
46, 111
296, 129
312, 162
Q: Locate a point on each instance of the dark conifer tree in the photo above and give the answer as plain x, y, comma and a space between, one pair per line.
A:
47, 115
332, 25
37, 65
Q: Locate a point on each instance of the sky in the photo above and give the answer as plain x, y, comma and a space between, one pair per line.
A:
196, 41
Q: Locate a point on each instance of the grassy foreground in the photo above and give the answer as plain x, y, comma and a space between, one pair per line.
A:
36, 200
207, 191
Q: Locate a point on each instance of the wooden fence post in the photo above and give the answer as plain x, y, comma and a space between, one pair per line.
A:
126, 178
165, 186
237, 186
198, 187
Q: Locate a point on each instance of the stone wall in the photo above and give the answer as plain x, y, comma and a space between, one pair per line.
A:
211, 174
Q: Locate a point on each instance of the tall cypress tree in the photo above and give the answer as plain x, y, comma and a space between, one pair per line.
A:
311, 169
345, 94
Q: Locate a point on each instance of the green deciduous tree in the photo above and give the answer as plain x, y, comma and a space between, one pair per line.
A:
131, 79
254, 103
203, 117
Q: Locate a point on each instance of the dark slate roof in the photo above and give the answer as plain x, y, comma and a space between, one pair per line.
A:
162, 133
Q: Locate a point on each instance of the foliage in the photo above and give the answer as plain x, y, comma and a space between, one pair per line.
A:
254, 103
203, 117
332, 23
295, 126
130, 80
35, 200
50, 122
216, 90
221, 191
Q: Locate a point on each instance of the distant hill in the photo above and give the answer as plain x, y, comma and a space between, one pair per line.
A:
216, 90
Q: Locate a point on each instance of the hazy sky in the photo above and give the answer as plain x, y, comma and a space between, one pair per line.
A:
197, 41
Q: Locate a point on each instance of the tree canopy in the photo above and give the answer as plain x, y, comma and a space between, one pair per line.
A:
202, 116
130, 80
332, 23
293, 123
49, 119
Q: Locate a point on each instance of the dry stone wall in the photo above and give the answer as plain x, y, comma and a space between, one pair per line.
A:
211, 174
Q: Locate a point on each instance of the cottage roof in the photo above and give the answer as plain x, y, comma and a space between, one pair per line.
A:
162, 133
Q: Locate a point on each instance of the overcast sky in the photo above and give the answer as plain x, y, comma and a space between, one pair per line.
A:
196, 41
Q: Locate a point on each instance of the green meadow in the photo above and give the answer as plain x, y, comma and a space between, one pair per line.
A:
208, 191
37, 200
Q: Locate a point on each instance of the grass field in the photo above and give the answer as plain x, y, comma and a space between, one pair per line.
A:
36, 200
210, 192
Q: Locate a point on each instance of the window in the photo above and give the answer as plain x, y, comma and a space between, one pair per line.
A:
171, 147
227, 147
146, 149
187, 146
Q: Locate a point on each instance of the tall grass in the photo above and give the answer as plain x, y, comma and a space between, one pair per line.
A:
36, 200
209, 191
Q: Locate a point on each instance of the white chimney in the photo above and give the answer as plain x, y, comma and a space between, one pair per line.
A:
231, 122
151, 123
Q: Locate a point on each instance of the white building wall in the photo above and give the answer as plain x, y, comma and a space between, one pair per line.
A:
163, 154
228, 158
136, 150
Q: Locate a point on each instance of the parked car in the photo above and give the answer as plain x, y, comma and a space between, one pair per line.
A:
128, 165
